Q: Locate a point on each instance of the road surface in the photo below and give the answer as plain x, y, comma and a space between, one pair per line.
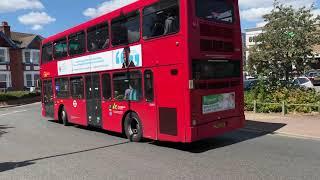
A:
33, 148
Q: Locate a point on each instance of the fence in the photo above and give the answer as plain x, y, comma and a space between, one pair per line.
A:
284, 106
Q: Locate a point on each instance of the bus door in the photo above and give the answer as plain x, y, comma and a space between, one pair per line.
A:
48, 98
93, 100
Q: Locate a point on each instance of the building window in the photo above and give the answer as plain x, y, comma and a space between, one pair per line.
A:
126, 29
31, 56
4, 55
5, 81
98, 37
31, 78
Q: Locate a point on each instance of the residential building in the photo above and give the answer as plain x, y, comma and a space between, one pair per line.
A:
250, 40
19, 59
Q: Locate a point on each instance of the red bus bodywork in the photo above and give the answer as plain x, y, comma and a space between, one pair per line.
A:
176, 113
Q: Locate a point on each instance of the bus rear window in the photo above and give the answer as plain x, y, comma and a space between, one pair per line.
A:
215, 69
215, 10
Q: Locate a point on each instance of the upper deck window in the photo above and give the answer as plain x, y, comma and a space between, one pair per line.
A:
126, 29
77, 43
215, 10
98, 37
60, 48
161, 18
46, 55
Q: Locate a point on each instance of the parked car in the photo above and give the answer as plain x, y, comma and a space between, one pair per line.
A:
249, 84
303, 82
314, 76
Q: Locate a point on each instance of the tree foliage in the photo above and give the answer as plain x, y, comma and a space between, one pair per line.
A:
284, 48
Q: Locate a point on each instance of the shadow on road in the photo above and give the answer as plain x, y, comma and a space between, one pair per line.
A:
253, 129
2, 128
13, 165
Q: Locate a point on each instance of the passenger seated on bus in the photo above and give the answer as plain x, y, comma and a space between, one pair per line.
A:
157, 29
171, 24
131, 93
106, 43
93, 46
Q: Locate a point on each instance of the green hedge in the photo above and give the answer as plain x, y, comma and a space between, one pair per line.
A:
12, 95
288, 95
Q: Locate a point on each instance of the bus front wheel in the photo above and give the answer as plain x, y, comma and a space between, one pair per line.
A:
133, 127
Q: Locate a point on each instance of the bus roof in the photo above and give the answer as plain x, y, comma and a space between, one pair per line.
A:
100, 19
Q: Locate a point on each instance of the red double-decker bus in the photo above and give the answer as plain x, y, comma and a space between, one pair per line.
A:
168, 70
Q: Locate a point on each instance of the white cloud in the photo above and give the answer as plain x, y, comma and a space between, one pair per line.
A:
106, 7
36, 20
254, 14
261, 24
15, 5
36, 27
253, 10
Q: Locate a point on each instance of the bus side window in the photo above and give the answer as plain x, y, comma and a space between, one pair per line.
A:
62, 87
46, 55
148, 85
76, 86
126, 29
161, 18
60, 48
127, 87
106, 86
98, 37
77, 43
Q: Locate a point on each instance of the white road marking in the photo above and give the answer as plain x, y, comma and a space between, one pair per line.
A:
14, 112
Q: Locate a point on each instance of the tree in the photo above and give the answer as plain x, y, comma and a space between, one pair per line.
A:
284, 48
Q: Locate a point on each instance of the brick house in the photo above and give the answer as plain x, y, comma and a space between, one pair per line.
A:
19, 59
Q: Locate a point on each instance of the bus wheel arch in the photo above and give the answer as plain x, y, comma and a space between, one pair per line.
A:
132, 126
62, 115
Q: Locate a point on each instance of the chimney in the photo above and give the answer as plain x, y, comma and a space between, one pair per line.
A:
5, 28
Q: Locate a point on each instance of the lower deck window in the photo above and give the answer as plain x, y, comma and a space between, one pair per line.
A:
127, 86
62, 88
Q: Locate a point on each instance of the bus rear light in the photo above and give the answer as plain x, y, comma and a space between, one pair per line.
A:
191, 84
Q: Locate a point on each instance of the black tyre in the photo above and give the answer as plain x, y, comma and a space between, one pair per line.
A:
64, 117
133, 127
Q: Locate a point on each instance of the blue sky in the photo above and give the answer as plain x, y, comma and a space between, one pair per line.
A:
47, 17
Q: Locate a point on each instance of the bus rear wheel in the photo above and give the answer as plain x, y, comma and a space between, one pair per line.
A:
64, 117
133, 127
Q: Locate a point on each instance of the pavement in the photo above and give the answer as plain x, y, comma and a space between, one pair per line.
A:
300, 125
33, 148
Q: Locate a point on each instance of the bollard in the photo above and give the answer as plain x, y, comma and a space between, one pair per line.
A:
255, 106
283, 108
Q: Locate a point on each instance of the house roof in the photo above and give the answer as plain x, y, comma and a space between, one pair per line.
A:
20, 40
8, 40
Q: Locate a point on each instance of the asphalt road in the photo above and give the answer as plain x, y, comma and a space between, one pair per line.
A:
33, 148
